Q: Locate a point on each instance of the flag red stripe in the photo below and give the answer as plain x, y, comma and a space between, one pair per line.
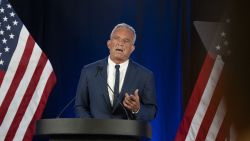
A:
47, 90
17, 78
211, 110
206, 122
2, 73
195, 98
27, 97
224, 129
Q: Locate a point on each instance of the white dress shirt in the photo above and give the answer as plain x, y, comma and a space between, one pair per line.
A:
111, 76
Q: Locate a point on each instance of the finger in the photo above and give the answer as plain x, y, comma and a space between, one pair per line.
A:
127, 100
136, 95
127, 105
126, 95
124, 103
133, 104
136, 92
134, 101
130, 103
133, 98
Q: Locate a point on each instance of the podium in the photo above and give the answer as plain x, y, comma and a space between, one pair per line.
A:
80, 129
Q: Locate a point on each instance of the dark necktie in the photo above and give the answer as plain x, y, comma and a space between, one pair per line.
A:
117, 79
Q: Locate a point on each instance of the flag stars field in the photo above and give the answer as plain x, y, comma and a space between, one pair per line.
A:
15, 22
223, 34
4, 41
1, 62
6, 49
218, 47
5, 19
11, 36
1, 10
12, 14
8, 27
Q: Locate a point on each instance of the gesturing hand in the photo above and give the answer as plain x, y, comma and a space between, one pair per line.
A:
132, 101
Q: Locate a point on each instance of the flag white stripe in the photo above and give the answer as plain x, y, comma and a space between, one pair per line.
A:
22, 87
217, 121
232, 133
14, 62
205, 99
34, 102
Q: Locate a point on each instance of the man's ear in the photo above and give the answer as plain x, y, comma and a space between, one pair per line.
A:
109, 43
133, 48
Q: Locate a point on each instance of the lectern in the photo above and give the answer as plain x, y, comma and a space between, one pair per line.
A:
79, 129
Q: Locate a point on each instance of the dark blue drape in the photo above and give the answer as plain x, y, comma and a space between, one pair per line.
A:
78, 36
74, 33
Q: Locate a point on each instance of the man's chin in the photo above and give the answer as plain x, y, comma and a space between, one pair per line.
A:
119, 58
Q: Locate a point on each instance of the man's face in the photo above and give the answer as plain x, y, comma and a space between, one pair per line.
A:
121, 44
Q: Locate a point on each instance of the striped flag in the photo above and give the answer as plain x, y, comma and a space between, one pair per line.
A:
205, 118
26, 78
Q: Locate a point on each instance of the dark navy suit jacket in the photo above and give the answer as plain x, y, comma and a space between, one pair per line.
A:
92, 98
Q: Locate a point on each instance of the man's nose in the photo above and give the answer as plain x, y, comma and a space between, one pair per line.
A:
120, 42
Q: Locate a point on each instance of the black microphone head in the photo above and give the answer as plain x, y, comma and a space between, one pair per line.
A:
99, 68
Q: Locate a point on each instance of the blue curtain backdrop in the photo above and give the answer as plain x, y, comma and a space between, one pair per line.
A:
74, 33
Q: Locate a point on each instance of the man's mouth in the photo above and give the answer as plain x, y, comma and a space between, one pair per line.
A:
120, 50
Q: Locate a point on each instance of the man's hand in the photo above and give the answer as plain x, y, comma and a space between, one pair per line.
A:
132, 102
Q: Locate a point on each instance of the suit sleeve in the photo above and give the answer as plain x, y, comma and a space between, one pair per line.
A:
148, 106
82, 97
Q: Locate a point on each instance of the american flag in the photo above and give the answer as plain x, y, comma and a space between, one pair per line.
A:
26, 78
206, 117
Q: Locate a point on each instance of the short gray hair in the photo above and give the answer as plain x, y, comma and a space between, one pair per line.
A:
126, 26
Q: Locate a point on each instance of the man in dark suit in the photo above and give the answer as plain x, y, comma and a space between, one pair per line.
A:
117, 87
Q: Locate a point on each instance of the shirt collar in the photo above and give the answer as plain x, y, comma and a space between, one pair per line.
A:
122, 65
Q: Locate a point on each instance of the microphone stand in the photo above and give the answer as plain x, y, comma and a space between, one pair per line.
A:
100, 68
65, 107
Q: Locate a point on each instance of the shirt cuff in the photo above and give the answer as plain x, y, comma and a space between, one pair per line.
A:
135, 111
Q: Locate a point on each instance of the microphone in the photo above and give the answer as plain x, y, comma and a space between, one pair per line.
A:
98, 70
65, 107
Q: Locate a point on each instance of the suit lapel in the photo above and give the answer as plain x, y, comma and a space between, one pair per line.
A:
103, 80
127, 84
